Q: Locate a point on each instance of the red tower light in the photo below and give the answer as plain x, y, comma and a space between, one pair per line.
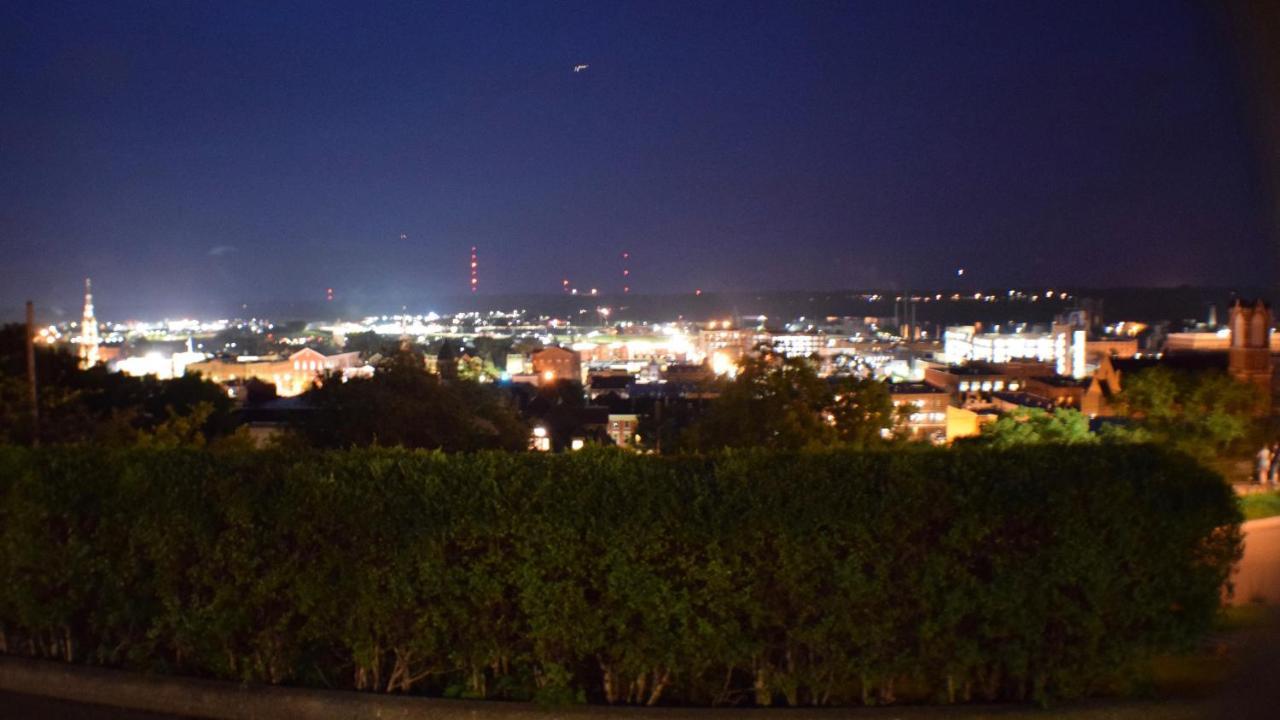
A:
475, 265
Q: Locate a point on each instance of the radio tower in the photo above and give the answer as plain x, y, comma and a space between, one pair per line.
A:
89, 340
474, 267
626, 272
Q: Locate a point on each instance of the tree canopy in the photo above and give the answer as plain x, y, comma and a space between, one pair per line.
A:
404, 405
1202, 413
1025, 426
94, 405
781, 403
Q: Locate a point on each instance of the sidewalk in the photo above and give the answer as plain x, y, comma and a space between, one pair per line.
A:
1257, 577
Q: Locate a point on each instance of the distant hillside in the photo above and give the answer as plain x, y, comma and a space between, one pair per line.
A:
1142, 304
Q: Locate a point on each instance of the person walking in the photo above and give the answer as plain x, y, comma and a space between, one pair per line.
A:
1263, 467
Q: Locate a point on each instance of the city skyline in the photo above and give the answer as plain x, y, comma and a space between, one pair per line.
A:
204, 156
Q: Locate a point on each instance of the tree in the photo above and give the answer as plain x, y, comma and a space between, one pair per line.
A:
862, 411
370, 343
1202, 413
779, 402
774, 402
404, 405
95, 405
240, 341
558, 406
1025, 426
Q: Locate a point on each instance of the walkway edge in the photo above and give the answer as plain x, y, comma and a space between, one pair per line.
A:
231, 701
218, 700
1260, 524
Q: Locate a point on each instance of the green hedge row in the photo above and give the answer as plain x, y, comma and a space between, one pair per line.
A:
816, 578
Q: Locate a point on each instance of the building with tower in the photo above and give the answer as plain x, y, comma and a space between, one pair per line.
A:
1249, 355
89, 339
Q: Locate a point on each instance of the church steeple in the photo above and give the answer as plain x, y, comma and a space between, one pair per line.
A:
1249, 356
89, 339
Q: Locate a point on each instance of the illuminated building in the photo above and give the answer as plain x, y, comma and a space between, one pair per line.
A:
1244, 350
291, 376
687, 373
1096, 349
556, 363
539, 441
612, 383
966, 343
1061, 391
965, 382
798, 345
622, 428
163, 368
1066, 345
1217, 341
1009, 401
722, 364
962, 423
516, 363
928, 418
1070, 336
733, 343
89, 340
1249, 357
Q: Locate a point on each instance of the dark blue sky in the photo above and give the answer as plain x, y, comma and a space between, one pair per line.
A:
191, 154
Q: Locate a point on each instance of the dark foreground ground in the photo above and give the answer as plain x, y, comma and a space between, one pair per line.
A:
24, 707
27, 707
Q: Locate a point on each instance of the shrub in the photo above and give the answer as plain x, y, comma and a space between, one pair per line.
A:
751, 577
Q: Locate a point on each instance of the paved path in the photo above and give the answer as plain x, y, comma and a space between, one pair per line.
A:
29, 707
1257, 578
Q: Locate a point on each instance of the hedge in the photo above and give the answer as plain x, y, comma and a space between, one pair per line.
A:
750, 578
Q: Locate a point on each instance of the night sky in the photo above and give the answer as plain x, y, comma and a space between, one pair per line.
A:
190, 155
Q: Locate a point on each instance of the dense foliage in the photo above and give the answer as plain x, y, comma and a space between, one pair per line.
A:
1201, 413
781, 403
94, 405
1062, 426
404, 405
1033, 425
748, 578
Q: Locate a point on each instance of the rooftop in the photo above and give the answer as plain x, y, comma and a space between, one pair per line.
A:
913, 388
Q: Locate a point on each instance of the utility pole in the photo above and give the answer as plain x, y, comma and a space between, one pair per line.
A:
32, 395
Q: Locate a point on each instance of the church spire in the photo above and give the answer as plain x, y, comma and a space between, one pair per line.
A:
89, 339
